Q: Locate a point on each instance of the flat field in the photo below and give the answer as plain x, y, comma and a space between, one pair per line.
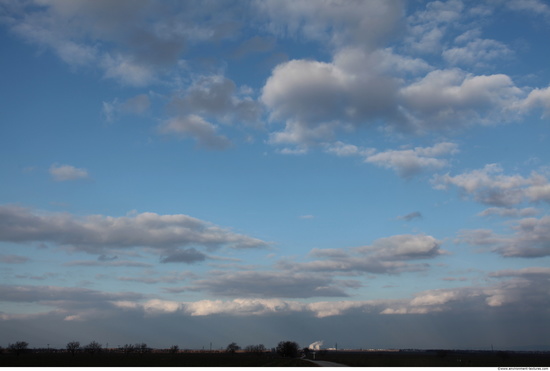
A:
149, 360
354, 359
437, 359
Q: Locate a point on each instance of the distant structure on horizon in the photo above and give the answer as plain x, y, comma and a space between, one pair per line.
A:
316, 345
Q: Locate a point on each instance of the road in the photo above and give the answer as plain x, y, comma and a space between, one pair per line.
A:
327, 364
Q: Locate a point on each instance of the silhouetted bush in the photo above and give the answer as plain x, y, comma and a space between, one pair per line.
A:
288, 349
232, 348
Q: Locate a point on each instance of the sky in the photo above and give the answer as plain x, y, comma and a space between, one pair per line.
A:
372, 174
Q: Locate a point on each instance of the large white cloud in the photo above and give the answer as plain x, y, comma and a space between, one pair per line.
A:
444, 99
537, 98
318, 99
364, 82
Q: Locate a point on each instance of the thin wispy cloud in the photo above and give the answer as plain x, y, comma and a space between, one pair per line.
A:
63, 173
410, 216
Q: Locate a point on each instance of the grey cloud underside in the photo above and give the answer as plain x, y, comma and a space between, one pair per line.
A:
99, 263
269, 285
183, 256
13, 259
510, 212
507, 292
213, 98
152, 278
216, 96
490, 186
530, 239
27, 293
96, 234
391, 255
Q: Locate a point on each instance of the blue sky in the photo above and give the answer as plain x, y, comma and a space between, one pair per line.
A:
369, 173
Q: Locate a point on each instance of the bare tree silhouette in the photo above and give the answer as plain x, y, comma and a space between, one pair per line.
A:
18, 347
142, 348
174, 349
232, 348
93, 348
73, 347
128, 348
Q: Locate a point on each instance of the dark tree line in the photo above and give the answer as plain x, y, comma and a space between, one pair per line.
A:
139, 348
257, 349
284, 348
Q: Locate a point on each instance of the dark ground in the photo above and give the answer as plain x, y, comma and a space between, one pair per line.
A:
149, 360
439, 358
358, 359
